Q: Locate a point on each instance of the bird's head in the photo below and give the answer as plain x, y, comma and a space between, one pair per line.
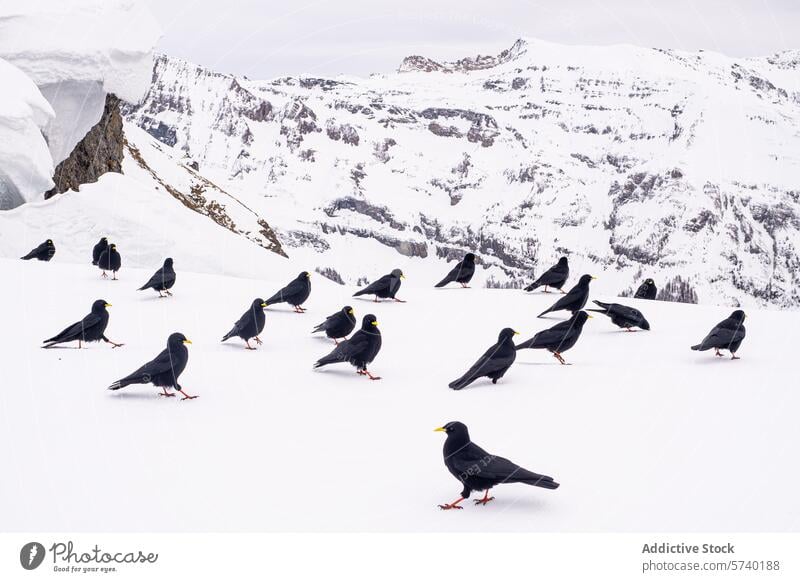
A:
168, 262
738, 315
369, 322
304, 275
348, 311
100, 305
455, 429
112, 246
258, 303
649, 282
562, 261
49, 242
469, 257
398, 273
178, 338
586, 279
580, 317
645, 325
506, 334
103, 240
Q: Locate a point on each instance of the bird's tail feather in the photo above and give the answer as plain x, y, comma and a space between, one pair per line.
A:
531, 287
462, 382
600, 304
443, 282
542, 481
360, 292
545, 312
701, 348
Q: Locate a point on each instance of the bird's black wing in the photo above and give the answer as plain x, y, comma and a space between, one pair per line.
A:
485, 365
479, 463
330, 321
382, 284
35, 252
571, 298
346, 350
76, 330
154, 281
549, 336
290, 290
722, 336
243, 322
452, 275
161, 364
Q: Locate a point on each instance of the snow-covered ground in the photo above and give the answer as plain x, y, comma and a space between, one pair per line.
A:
643, 433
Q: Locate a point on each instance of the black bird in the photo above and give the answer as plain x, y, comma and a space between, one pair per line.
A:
646, 290
385, 288
91, 328
338, 325
575, 299
360, 350
44, 252
559, 338
250, 324
480, 471
622, 315
110, 260
164, 370
98, 250
726, 335
162, 280
462, 273
494, 363
555, 276
295, 293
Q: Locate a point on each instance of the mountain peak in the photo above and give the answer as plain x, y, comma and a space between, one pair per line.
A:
419, 63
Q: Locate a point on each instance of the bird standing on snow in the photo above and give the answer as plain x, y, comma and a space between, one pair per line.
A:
622, 315
559, 338
575, 299
295, 293
478, 470
338, 325
162, 280
250, 325
44, 252
726, 335
494, 363
164, 370
91, 328
646, 290
110, 260
555, 276
360, 350
98, 250
462, 273
385, 288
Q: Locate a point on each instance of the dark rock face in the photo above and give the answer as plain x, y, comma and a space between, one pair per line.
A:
100, 151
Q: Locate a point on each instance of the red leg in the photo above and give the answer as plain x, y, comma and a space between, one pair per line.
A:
165, 393
186, 396
734, 356
258, 340
249, 347
486, 499
336, 341
398, 300
104, 275
560, 359
454, 505
370, 376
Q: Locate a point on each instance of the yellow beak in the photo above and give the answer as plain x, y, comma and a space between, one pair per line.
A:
374, 323
440, 429
350, 311
593, 278
108, 305
402, 276
589, 316
516, 333
186, 341
263, 305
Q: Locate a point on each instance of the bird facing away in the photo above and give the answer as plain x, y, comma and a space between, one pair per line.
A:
338, 325
478, 470
360, 350
555, 276
493, 363
384, 288
462, 273
162, 280
295, 293
44, 252
250, 324
646, 290
91, 328
575, 299
622, 315
98, 250
110, 260
164, 370
559, 338
726, 335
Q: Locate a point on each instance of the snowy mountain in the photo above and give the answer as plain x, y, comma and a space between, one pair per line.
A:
634, 162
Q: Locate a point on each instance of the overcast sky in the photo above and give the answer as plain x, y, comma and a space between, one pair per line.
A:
265, 39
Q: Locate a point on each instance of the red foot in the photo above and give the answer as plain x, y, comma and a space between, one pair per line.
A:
167, 394
399, 300
454, 505
186, 396
486, 499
